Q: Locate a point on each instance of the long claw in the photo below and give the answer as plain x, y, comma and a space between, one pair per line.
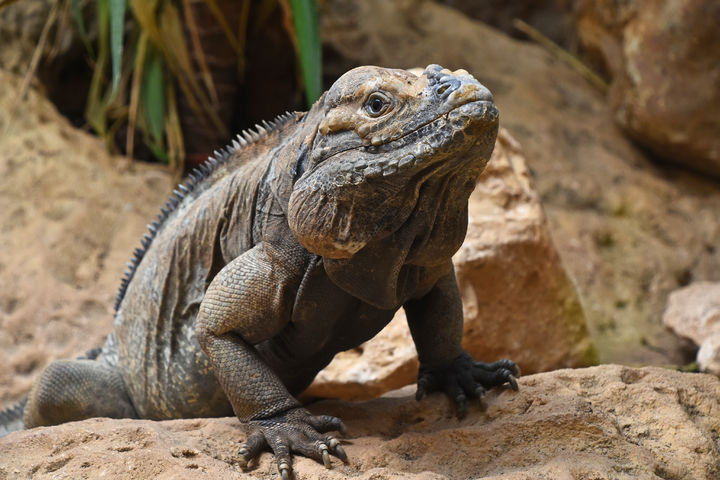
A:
286, 471
340, 453
513, 382
335, 446
325, 456
244, 460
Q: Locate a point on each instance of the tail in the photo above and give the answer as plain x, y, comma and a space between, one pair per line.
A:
11, 419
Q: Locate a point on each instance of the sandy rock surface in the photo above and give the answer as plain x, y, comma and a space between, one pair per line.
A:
664, 61
518, 301
601, 422
627, 231
70, 216
694, 312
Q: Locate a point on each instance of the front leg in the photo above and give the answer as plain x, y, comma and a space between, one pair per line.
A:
436, 325
249, 301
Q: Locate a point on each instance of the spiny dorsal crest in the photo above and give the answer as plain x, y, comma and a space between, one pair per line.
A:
195, 177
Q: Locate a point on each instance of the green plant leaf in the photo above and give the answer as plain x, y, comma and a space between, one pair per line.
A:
153, 97
138, 75
117, 30
164, 28
95, 109
80, 23
305, 20
178, 57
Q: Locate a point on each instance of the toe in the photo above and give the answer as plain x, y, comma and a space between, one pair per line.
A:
286, 471
281, 449
494, 378
325, 455
327, 423
252, 447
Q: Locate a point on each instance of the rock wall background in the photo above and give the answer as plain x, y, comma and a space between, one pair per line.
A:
664, 65
629, 231
575, 223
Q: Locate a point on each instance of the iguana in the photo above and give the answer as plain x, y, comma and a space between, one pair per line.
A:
297, 242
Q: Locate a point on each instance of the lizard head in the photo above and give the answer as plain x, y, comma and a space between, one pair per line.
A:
384, 134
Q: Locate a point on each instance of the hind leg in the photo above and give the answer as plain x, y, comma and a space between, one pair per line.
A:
71, 390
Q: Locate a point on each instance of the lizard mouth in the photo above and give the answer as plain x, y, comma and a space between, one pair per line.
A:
439, 134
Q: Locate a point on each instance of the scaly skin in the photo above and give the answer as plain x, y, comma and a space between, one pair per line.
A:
301, 243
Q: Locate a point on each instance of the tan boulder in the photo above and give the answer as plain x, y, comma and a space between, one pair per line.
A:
708, 356
694, 312
663, 57
601, 422
517, 300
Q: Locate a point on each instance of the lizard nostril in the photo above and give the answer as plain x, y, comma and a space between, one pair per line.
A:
447, 86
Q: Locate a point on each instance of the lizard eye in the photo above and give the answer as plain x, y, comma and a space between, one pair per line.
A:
377, 104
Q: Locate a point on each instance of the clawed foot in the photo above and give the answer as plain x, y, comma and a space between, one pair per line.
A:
466, 378
294, 431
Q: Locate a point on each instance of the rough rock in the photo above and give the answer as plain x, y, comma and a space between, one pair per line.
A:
603, 422
518, 301
70, 216
554, 18
628, 231
664, 62
694, 312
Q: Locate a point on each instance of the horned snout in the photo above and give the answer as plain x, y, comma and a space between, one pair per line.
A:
456, 88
